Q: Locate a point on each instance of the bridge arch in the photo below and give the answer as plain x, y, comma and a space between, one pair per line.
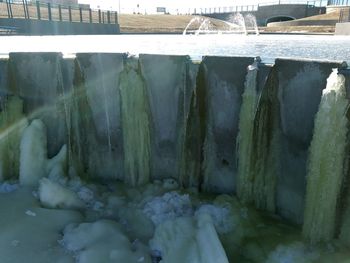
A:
280, 18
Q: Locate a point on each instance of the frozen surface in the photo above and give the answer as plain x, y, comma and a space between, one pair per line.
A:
29, 232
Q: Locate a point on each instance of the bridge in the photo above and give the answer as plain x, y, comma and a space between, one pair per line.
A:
270, 12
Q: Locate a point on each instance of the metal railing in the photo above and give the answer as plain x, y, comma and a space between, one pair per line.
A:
55, 12
339, 2
344, 15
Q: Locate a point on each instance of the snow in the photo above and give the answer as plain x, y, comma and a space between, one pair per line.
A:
53, 195
169, 206
33, 154
8, 187
186, 239
101, 241
34, 163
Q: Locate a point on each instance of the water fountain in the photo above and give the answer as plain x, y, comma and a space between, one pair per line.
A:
237, 24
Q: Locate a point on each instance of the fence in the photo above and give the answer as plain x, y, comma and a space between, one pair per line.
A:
344, 15
55, 12
339, 2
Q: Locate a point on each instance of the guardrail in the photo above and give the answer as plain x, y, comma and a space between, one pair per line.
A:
55, 12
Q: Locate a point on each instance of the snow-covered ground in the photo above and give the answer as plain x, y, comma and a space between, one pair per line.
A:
69, 220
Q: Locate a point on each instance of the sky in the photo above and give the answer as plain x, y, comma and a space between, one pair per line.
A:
174, 6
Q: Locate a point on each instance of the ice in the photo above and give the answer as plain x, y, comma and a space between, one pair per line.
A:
169, 206
328, 151
12, 125
135, 123
26, 238
53, 195
101, 241
8, 187
33, 154
294, 253
34, 163
186, 239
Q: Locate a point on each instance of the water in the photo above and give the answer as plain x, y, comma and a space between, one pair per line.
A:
327, 155
245, 148
268, 47
136, 126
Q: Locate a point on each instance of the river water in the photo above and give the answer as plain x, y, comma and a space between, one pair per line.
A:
268, 47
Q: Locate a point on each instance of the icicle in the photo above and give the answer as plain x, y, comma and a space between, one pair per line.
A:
12, 125
245, 175
325, 167
135, 123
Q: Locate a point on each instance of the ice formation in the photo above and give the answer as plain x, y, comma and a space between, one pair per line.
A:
136, 127
54, 195
169, 206
102, 241
325, 168
34, 163
12, 125
186, 239
245, 147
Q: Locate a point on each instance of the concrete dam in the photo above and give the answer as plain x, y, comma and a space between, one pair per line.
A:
272, 135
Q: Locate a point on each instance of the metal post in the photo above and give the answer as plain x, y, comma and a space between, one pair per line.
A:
116, 18
10, 8
26, 3
38, 10
90, 15
60, 12
70, 13
108, 17
103, 17
99, 16
81, 14
49, 11
24, 10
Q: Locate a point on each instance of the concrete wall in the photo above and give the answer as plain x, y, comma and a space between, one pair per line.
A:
42, 27
342, 29
193, 115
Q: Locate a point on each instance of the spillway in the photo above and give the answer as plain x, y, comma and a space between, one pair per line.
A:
141, 159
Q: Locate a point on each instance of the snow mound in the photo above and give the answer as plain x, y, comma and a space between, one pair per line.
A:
186, 239
53, 195
169, 206
8, 187
101, 241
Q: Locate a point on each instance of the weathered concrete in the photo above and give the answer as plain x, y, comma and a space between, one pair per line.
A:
169, 97
222, 83
342, 29
193, 115
44, 27
299, 87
